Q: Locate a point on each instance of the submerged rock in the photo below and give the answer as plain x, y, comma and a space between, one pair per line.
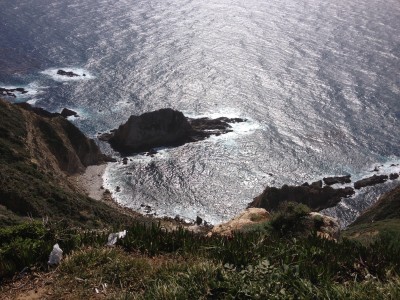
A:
370, 181
337, 179
164, 128
314, 196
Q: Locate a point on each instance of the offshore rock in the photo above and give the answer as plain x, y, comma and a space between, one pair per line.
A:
67, 73
164, 128
315, 197
370, 181
11, 92
337, 179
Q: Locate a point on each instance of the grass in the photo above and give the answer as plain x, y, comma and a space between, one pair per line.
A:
153, 263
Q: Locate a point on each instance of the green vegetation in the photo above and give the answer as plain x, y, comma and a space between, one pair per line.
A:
152, 263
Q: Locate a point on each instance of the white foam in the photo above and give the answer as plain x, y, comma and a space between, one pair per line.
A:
52, 72
247, 127
33, 89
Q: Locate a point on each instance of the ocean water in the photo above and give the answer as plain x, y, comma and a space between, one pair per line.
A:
318, 81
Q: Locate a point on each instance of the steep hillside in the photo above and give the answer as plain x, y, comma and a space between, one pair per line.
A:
38, 150
383, 216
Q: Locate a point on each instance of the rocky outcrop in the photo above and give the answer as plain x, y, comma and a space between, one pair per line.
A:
68, 113
370, 181
67, 73
12, 92
314, 196
164, 128
337, 179
327, 227
249, 217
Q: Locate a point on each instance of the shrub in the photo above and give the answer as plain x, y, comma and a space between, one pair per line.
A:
291, 218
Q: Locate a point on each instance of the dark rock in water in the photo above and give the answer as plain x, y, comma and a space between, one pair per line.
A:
117, 189
373, 180
125, 160
337, 179
376, 169
393, 176
316, 184
315, 197
68, 113
165, 127
199, 220
67, 73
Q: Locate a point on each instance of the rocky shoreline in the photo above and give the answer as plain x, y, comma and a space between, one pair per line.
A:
170, 128
167, 128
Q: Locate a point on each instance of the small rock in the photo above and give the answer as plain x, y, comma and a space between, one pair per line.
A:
117, 189
393, 176
199, 220
66, 73
125, 160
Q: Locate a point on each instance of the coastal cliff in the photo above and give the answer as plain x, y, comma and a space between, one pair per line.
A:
38, 152
289, 249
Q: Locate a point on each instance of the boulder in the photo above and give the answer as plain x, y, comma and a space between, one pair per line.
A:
327, 227
370, 181
337, 179
393, 176
314, 196
250, 216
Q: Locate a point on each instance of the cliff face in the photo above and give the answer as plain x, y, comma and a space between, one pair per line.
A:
54, 141
38, 150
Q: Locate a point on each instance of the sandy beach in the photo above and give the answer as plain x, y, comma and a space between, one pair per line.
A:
92, 181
